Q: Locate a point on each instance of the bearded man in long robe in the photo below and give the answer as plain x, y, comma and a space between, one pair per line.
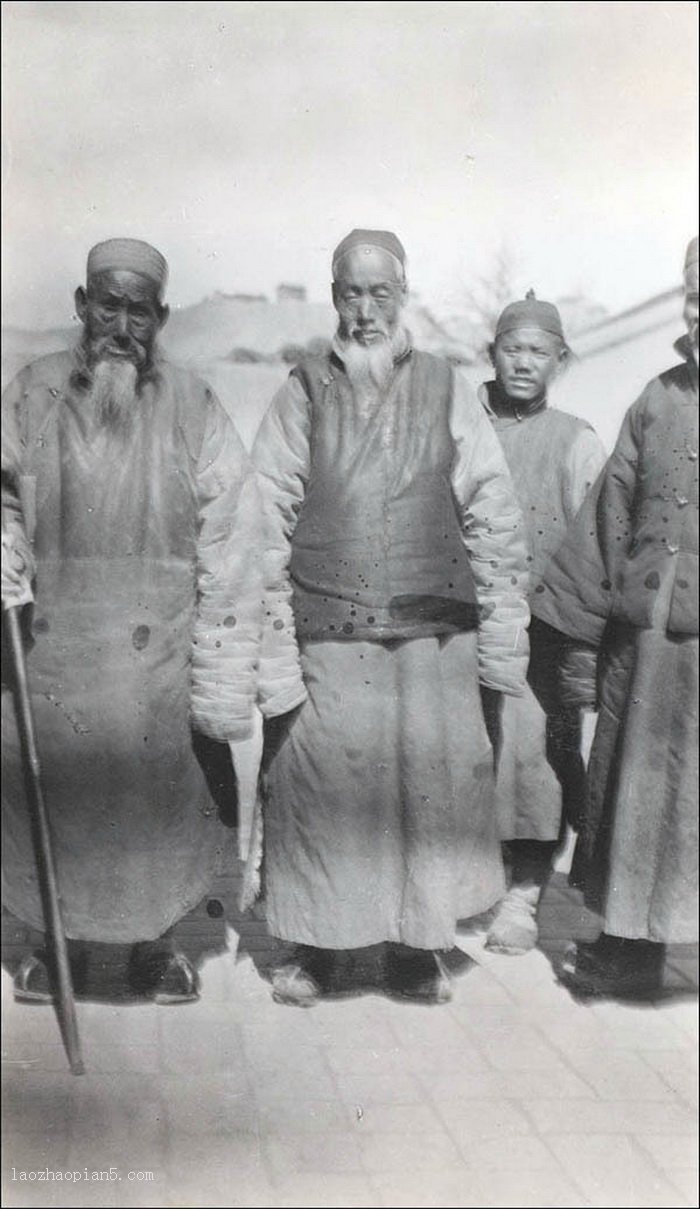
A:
625, 582
129, 501
399, 560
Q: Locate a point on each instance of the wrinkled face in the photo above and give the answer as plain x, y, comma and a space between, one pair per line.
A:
690, 306
369, 294
525, 361
122, 316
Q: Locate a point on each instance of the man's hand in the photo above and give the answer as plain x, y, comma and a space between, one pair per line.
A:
17, 570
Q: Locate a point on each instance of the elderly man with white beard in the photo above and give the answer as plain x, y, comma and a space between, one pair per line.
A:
399, 563
131, 509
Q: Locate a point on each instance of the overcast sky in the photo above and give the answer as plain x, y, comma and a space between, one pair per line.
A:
245, 139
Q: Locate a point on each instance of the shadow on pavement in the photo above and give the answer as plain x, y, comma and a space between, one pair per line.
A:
563, 919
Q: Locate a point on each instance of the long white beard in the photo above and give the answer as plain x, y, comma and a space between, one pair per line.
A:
370, 367
112, 395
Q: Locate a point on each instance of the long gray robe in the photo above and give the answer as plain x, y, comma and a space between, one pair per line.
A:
379, 819
146, 622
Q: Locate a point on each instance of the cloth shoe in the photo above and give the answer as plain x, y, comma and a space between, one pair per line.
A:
417, 974
162, 974
514, 929
33, 983
301, 981
613, 966
291, 984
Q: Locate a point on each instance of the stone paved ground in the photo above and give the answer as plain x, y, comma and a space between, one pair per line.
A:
512, 1095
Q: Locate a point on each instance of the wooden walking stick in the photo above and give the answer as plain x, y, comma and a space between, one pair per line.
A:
43, 846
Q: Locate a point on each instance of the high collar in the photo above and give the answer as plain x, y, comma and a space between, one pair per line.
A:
685, 349
505, 408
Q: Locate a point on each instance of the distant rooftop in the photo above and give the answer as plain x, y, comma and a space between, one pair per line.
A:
240, 297
291, 293
660, 311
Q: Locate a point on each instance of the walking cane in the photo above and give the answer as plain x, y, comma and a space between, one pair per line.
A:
43, 846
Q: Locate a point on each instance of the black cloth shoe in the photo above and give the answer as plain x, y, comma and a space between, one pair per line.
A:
417, 974
163, 975
614, 966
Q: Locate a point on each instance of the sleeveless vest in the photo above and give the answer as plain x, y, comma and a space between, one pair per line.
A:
537, 449
377, 553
